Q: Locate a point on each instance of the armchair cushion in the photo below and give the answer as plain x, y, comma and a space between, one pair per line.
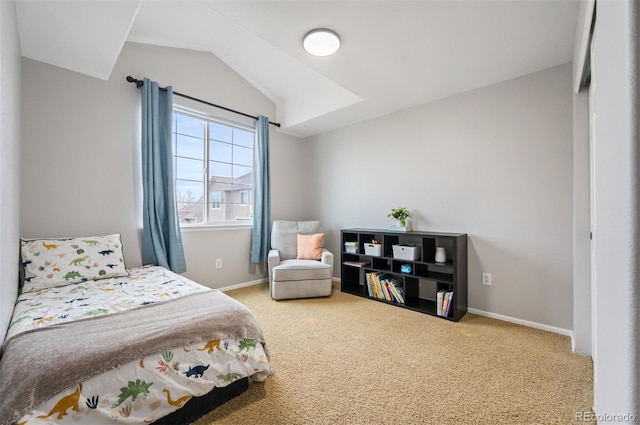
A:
310, 246
294, 270
284, 236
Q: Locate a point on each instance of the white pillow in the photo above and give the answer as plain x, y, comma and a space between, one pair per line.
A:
56, 262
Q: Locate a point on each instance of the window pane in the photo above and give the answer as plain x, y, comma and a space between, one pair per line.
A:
220, 132
242, 188
190, 201
191, 214
220, 151
242, 155
243, 212
190, 147
242, 174
221, 185
238, 202
189, 169
188, 191
219, 213
220, 170
243, 137
189, 126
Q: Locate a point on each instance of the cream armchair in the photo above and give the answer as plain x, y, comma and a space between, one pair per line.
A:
291, 277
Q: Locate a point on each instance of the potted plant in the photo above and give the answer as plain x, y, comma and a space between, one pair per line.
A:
400, 214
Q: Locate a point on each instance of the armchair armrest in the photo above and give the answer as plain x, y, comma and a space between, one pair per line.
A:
327, 257
273, 259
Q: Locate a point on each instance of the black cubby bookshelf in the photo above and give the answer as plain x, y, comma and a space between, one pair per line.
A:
421, 278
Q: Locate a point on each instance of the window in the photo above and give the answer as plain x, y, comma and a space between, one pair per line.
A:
216, 200
213, 162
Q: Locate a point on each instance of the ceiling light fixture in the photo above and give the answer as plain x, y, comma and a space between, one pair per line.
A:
321, 42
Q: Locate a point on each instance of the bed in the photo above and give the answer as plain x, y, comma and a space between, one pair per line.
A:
91, 341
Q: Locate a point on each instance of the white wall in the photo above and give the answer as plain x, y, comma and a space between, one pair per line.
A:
81, 154
495, 163
10, 63
615, 126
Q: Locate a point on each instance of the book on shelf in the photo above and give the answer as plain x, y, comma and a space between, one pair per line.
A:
356, 263
379, 292
370, 284
387, 292
446, 313
447, 299
382, 279
439, 302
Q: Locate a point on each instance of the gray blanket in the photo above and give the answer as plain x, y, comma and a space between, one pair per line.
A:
38, 364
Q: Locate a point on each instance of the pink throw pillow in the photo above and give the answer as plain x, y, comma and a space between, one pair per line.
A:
310, 246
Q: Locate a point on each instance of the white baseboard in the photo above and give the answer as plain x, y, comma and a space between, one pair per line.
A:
561, 331
244, 284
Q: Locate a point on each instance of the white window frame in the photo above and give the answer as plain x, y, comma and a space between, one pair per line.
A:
207, 117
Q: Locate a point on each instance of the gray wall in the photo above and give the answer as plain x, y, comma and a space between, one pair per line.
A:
615, 104
10, 63
495, 163
81, 154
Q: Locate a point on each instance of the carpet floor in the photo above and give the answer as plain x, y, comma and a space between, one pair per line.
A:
349, 360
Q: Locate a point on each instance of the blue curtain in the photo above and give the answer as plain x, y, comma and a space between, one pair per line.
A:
260, 237
161, 239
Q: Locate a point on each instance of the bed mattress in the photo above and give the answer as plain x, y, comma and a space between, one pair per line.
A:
150, 387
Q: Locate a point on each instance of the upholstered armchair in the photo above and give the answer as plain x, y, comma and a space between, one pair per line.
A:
299, 266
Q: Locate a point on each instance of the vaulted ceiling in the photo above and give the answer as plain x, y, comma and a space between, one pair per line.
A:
394, 55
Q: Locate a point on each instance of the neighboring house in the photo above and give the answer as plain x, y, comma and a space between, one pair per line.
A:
230, 199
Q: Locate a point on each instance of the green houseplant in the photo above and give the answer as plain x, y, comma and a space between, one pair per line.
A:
400, 214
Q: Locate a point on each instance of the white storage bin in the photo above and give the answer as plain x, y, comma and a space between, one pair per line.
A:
406, 252
351, 247
373, 249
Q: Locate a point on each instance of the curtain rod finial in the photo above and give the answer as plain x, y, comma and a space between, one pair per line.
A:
139, 83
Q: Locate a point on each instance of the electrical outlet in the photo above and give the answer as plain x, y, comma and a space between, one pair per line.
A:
486, 279
218, 263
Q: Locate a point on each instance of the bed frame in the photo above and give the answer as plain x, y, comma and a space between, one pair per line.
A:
197, 407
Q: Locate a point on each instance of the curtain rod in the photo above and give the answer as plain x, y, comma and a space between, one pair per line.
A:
140, 83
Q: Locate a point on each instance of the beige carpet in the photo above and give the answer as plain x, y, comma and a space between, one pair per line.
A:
349, 360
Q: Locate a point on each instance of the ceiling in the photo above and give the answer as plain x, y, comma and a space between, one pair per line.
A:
394, 55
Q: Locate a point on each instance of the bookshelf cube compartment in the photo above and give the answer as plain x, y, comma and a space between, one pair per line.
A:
373, 249
402, 267
380, 264
406, 252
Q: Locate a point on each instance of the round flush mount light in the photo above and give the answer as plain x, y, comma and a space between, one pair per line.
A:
321, 42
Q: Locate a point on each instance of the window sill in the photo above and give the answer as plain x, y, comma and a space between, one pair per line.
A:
214, 227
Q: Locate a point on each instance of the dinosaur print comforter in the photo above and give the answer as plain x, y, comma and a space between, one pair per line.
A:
151, 387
